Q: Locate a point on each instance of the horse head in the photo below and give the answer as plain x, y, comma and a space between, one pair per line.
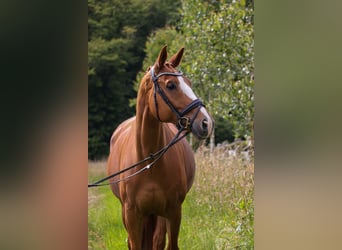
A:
171, 98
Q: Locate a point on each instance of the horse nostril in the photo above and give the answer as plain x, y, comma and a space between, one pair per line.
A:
205, 124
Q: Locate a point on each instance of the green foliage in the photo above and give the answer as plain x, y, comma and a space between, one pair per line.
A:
108, 90
223, 130
220, 39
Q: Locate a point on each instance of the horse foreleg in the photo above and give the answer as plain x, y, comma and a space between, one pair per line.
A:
150, 222
173, 225
125, 224
134, 226
159, 235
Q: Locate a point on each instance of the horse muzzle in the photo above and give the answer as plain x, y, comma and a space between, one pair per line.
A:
202, 126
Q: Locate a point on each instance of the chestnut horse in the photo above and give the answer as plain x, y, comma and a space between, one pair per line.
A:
151, 200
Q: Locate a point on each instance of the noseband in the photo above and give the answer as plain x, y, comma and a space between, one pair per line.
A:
183, 121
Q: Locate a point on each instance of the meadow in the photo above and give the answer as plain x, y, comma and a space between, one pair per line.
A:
218, 212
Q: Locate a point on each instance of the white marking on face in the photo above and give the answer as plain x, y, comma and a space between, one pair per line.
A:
189, 93
205, 113
186, 89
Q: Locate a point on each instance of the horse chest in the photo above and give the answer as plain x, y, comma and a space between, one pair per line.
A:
154, 198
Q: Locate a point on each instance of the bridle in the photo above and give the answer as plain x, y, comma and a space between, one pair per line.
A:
183, 124
182, 120
154, 157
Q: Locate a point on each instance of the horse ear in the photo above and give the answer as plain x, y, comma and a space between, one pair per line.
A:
161, 59
176, 59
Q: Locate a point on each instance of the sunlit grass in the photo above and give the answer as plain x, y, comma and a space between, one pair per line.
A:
218, 212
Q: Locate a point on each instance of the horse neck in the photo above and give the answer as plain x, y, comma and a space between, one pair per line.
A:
149, 131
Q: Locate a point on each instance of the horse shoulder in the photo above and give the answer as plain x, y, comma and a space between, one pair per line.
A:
119, 136
187, 153
121, 131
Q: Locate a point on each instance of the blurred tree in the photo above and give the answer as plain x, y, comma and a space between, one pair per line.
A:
220, 36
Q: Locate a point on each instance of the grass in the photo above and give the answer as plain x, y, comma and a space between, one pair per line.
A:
218, 212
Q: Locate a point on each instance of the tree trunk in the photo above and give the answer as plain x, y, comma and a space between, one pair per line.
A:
212, 141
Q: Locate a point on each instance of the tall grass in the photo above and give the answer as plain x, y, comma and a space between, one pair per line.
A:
218, 212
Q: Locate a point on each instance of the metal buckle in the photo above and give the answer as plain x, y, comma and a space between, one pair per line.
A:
184, 122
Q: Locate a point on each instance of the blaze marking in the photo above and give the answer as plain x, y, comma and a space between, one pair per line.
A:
189, 93
186, 89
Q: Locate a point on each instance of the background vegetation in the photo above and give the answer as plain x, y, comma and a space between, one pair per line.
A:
218, 212
125, 37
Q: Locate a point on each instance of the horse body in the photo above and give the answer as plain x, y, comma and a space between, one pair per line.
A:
151, 201
175, 170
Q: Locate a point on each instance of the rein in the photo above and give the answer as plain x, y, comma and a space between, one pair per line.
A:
155, 157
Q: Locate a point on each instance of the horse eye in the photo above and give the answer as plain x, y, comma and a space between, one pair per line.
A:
171, 85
